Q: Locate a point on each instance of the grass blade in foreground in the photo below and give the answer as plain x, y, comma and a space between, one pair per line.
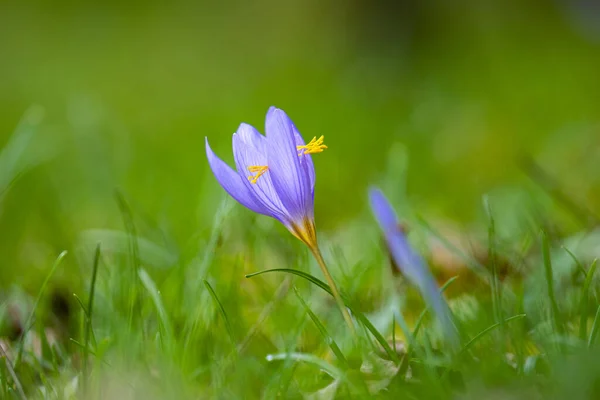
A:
595, 327
88, 320
406, 357
333, 371
489, 329
550, 283
332, 344
576, 261
134, 251
223, 313
475, 266
167, 331
492, 255
29, 321
357, 314
584, 301
17, 384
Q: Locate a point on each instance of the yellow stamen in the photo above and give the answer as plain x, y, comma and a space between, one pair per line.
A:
259, 169
314, 146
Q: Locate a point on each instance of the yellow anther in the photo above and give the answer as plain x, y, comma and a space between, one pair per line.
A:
259, 170
314, 146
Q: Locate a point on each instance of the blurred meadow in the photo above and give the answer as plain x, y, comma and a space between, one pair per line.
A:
479, 119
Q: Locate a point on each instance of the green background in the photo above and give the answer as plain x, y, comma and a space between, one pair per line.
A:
124, 95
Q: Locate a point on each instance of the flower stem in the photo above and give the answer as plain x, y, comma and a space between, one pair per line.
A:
334, 290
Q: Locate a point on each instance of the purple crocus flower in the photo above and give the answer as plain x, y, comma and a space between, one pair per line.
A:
275, 174
409, 262
276, 177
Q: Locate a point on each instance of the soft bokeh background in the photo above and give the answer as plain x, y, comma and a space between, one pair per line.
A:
111, 97
126, 93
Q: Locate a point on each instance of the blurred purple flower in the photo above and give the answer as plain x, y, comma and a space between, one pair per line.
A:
275, 174
409, 262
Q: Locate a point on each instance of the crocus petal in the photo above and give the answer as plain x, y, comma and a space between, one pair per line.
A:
383, 211
248, 135
290, 180
232, 183
411, 263
247, 144
305, 160
415, 269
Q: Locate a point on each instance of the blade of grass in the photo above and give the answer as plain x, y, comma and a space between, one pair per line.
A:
577, 263
29, 321
394, 332
583, 307
4, 380
195, 273
13, 375
223, 313
46, 350
82, 346
380, 339
550, 283
474, 265
357, 314
406, 357
127, 216
331, 370
302, 274
489, 329
280, 293
552, 187
429, 364
15, 159
280, 383
405, 329
424, 312
84, 319
80, 302
166, 333
88, 320
328, 339
494, 281
134, 251
595, 327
